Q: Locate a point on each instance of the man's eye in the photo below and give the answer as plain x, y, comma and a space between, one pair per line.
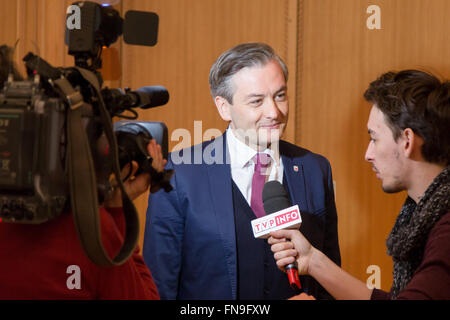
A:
255, 102
281, 96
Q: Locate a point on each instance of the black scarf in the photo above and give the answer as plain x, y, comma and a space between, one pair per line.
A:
406, 242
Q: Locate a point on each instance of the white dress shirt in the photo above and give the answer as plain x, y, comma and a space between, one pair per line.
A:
242, 165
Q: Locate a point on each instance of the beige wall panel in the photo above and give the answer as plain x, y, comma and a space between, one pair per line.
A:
8, 22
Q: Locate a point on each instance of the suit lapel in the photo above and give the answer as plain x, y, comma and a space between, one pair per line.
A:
219, 176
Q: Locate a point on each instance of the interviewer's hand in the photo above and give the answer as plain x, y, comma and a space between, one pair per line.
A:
311, 261
135, 186
286, 252
302, 296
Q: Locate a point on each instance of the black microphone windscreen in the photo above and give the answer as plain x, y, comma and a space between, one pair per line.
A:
153, 96
140, 28
274, 197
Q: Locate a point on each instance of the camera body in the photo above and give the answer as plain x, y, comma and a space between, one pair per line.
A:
34, 158
33, 183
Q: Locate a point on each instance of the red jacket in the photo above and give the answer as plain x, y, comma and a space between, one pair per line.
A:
47, 261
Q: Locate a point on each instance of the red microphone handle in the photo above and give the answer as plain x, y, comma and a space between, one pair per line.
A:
292, 272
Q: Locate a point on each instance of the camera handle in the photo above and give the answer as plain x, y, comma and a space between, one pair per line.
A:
83, 185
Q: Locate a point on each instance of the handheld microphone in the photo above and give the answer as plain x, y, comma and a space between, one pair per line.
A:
276, 204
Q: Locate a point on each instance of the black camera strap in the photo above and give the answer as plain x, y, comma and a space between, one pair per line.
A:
83, 186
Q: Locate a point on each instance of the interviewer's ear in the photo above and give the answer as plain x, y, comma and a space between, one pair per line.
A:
412, 144
223, 106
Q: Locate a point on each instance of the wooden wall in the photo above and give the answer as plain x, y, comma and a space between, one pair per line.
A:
332, 57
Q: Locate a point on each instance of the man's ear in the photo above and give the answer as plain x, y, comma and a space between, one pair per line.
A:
412, 144
223, 106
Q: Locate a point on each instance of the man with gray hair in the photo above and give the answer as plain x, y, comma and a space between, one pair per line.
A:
198, 239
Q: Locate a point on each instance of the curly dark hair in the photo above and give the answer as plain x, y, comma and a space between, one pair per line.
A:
417, 100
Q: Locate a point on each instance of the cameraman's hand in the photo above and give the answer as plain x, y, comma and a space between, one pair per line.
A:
135, 186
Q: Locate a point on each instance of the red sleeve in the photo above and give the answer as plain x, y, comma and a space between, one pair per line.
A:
131, 280
432, 278
146, 276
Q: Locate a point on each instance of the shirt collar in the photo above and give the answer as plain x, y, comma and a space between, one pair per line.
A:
240, 153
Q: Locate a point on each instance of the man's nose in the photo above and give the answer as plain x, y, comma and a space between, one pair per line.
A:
369, 153
271, 110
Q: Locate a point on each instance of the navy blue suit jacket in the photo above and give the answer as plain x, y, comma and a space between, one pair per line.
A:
190, 243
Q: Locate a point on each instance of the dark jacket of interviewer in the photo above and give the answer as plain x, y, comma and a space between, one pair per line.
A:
419, 244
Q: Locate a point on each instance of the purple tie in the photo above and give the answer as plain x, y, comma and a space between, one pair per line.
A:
259, 178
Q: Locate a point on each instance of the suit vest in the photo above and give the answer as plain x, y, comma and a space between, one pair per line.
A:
258, 277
